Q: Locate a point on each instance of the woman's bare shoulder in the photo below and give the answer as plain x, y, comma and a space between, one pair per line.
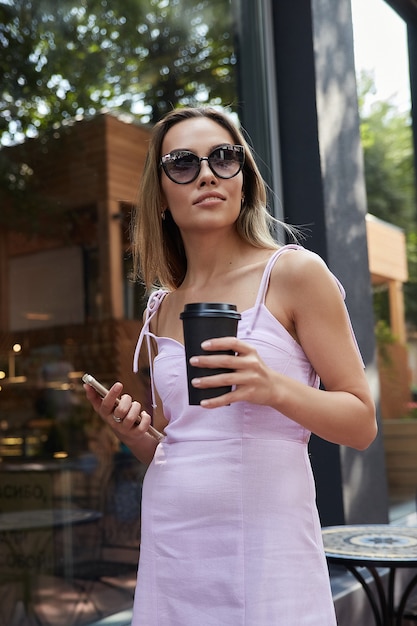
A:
300, 267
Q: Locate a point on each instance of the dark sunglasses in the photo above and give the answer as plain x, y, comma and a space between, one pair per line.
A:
183, 166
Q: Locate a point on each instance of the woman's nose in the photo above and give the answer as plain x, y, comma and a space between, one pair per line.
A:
206, 174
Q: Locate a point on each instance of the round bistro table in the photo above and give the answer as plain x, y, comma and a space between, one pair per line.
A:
372, 547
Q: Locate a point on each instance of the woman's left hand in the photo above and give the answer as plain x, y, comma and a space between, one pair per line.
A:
250, 378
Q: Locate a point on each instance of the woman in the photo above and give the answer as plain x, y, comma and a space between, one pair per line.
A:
230, 530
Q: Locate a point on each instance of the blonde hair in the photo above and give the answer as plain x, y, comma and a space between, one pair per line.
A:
158, 251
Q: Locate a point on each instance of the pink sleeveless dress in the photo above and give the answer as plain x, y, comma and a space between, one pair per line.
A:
230, 530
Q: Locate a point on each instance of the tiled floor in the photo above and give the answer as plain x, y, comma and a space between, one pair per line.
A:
55, 602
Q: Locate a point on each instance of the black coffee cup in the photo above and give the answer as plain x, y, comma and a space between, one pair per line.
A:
202, 321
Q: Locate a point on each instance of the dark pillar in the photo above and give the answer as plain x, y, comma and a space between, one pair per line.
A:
323, 188
257, 91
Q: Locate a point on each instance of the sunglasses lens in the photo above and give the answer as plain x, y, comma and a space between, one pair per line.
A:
227, 161
181, 167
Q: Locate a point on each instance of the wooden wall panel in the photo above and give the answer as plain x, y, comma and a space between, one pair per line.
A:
127, 145
386, 250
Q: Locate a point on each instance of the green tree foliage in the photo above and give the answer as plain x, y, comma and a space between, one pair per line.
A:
388, 152
65, 59
60, 59
387, 142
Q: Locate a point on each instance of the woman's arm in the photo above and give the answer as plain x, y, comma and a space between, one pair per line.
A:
304, 296
345, 412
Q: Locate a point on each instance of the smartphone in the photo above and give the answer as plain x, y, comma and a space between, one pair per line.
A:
102, 390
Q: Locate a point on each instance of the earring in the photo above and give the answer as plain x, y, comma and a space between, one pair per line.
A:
163, 214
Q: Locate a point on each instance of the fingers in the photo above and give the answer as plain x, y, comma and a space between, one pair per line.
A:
127, 416
97, 400
120, 412
247, 374
226, 343
111, 399
240, 354
127, 410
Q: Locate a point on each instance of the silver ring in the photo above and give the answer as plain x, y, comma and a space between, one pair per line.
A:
117, 419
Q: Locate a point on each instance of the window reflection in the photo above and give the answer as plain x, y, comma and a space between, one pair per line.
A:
83, 82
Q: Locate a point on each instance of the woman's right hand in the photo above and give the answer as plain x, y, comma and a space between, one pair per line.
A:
119, 411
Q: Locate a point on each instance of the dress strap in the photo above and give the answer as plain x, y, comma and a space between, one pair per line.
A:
263, 287
152, 307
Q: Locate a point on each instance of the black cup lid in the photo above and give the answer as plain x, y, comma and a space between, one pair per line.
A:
210, 309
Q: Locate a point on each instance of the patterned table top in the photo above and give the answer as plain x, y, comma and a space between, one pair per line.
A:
379, 544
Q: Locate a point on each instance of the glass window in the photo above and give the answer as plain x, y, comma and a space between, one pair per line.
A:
82, 83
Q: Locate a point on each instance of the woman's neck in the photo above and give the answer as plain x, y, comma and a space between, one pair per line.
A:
212, 260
